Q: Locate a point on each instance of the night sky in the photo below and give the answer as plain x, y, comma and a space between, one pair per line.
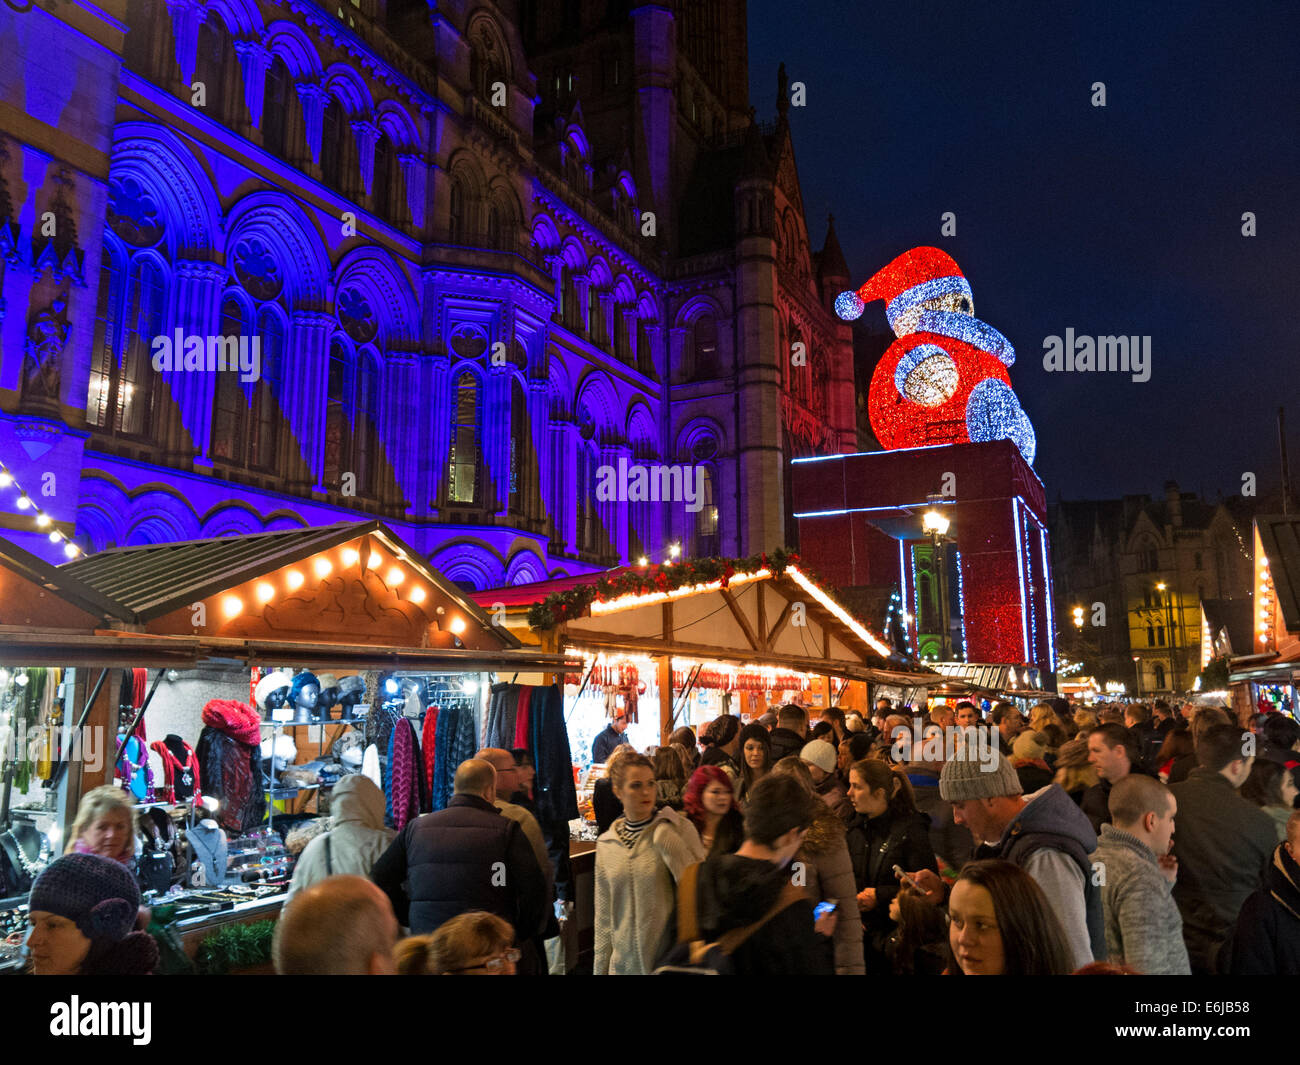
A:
1117, 220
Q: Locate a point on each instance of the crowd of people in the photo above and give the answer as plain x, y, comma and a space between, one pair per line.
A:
1137, 839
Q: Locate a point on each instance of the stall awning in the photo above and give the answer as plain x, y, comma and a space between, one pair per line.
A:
32, 592
115, 649
773, 617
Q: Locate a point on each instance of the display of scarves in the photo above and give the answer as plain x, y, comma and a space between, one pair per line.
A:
428, 744
521, 719
402, 795
503, 712
554, 794
26, 717
457, 740
133, 766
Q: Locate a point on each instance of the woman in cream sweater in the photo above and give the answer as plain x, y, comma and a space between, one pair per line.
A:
638, 863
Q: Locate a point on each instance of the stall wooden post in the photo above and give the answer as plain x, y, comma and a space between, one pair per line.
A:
665, 698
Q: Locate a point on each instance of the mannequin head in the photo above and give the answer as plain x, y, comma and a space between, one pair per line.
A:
304, 692
272, 691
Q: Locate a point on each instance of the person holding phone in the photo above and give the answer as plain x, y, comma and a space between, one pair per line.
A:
887, 829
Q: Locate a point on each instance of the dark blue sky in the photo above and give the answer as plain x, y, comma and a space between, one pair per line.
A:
1117, 220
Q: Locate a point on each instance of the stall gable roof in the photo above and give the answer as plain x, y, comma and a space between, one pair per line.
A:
713, 616
60, 582
1280, 535
153, 580
1237, 616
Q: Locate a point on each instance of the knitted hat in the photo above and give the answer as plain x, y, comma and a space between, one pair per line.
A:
821, 754
98, 895
966, 776
271, 682
1029, 745
234, 719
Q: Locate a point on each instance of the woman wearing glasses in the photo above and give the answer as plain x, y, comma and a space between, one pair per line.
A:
473, 944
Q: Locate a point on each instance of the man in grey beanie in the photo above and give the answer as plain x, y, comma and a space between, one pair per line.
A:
1045, 834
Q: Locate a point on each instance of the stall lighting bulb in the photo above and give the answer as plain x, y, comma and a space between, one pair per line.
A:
322, 567
351, 556
56, 536
6, 479
457, 625
395, 576
71, 550
42, 520
24, 503
231, 605
294, 580
417, 595
265, 592
376, 560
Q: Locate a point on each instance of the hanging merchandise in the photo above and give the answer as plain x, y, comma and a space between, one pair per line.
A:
230, 763
428, 743
457, 740
133, 767
27, 715
402, 797
370, 766
180, 769
555, 796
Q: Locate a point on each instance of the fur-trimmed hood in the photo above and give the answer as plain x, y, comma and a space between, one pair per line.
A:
824, 832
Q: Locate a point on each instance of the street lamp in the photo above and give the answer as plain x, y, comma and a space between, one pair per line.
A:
1173, 636
936, 524
1078, 617
1137, 671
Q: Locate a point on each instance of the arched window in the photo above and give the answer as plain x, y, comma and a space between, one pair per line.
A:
644, 352
523, 456
494, 227
1160, 635
571, 310
332, 143
622, 342
217, 69
1160, 676
351, 420
123, 397
230, 421
1151, 635
588, 516
382, 183
596, 318
277, 107
704, 348
456, 215
707, 541
264, 419
462, 467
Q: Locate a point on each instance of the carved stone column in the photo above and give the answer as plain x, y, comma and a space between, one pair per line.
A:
254, 59
314, 99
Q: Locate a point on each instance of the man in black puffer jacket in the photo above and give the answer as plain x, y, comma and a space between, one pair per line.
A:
466, 857
738, 889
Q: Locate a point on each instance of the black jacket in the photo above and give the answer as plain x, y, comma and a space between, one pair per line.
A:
1096, 804
446, 863
950, 841
736, 891
785, 742
605, 742
1223, 844
1267, 942
876, 845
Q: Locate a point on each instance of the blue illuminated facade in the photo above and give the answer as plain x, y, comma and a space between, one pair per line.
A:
464, 295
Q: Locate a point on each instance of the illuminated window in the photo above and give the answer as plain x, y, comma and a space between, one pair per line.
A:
462, 472
123, 396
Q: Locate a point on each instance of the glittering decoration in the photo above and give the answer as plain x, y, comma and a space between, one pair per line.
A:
971, 330
926, 375
849, 306
944, 381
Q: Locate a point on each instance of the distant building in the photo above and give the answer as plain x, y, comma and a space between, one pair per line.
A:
1139, 570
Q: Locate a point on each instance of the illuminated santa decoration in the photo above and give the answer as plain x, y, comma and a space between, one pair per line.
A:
944, 381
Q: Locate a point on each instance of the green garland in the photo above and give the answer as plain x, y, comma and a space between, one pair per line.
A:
563, 606
237, 946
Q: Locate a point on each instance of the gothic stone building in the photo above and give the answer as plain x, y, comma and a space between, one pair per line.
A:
481, 249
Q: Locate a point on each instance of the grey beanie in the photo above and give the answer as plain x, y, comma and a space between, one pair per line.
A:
965, 776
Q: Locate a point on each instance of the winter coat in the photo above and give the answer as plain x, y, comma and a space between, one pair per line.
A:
446, 863
1143, 926
1224, 843
668, 793
555, 795
828, 877
832, 793
607, 806
1050, 840
606, 740
876, 845
356, 840
1267, 940
952, 843
636, 892
785, 742
717, 756
735, 891
1096, 804
1280, 815
1034, 774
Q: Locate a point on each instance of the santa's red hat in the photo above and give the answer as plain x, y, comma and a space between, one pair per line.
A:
912, 278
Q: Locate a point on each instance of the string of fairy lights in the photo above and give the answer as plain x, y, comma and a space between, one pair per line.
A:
26, 504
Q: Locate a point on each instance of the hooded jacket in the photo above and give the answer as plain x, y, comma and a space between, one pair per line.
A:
828, 877
785, 742
1223, 843
736, 891
1143, 926
876, 845
636, 892
832, 793
1267, 942
1051, 840
357, 836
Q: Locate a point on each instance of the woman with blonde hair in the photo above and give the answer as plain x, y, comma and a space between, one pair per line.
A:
1041, 714
471, 944
104, 825
1073, 772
